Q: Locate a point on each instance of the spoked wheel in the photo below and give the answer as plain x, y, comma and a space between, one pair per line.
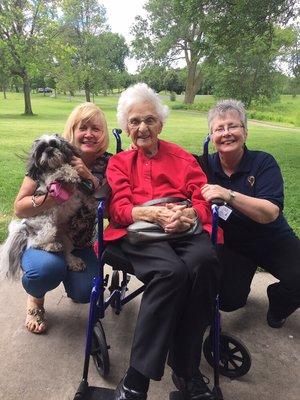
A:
114, 284
235, 358
100, 350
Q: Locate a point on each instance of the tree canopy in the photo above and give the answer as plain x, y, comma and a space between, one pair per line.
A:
228, 34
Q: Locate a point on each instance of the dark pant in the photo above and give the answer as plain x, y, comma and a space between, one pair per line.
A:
282, 260
181, 281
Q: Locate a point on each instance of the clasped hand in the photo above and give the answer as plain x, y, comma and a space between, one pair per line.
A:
174, 218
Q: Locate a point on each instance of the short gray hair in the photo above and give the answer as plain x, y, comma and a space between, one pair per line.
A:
224, 107
139, 93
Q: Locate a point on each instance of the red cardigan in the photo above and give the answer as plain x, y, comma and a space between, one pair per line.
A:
135, 179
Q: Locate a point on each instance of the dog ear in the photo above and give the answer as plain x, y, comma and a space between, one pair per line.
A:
33, 169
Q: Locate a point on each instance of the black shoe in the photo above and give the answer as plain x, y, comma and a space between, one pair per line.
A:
274, 322
193, 388
124, 393
272, 319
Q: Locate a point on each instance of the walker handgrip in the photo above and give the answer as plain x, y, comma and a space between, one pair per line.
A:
117, 132
218, 202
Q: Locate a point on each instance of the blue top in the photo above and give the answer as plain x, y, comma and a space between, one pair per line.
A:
257, 175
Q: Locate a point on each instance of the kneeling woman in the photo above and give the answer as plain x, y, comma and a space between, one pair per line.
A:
43, 271
180, 275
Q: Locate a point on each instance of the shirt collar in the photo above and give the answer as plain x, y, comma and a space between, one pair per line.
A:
244, 165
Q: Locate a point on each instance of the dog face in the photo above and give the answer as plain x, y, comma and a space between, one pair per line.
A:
48, 153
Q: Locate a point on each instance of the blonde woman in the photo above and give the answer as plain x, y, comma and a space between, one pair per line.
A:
86, 129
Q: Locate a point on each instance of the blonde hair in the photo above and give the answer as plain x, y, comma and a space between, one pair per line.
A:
83, 113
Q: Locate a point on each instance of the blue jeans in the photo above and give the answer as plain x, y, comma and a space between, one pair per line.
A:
44, 271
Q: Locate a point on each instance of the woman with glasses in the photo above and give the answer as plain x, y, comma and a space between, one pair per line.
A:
180, 274
255, 230
43, 271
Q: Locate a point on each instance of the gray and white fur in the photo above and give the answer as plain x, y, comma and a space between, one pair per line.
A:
49, 161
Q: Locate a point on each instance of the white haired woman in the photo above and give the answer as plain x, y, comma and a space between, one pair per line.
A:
255, 230
43, 271
180, 274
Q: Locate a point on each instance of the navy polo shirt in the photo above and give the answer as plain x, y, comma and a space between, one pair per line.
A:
258, 175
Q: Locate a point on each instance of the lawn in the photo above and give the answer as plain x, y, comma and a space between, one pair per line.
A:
185, 127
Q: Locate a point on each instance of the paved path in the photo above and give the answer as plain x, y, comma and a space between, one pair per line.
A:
49, 367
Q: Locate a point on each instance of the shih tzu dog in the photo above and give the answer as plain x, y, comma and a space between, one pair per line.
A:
49, 165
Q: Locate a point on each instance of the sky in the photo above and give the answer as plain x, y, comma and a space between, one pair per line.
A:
121, 15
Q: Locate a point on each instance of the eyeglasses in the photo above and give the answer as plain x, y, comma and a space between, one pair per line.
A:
230, 129
136, 122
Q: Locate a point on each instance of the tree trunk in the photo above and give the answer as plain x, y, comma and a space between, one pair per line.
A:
87, 91
4, 92
193, 82
26, 91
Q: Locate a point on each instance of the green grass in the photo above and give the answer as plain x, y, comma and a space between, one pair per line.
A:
284, 112
185, 127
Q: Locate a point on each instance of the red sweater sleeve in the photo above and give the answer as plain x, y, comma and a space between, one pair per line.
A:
195, 179
121, 202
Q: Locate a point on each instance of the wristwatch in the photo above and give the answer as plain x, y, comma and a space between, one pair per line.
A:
231, 194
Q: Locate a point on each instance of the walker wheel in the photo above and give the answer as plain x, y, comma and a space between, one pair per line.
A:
235, 358
100, 350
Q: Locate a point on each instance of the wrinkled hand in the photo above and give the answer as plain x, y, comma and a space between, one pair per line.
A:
162, 215
179, 222
81, 168
212, 192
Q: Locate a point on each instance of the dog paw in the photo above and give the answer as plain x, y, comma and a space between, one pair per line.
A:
76, 264
53, 247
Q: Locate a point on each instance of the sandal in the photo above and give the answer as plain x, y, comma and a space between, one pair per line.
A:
37, 322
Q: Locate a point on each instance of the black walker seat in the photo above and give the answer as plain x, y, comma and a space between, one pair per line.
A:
225, 353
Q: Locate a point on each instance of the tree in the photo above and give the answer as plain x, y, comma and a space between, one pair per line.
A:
246, 47
195, 29
25, 27
108, 59
84, 21
172, 83
292, 57
249, 71
153, 75
4, 73
175, 29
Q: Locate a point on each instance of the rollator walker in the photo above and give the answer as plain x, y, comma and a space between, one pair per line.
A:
226, 354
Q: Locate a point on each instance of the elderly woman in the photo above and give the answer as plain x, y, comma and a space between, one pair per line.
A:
256, 232
180, 275
43, 271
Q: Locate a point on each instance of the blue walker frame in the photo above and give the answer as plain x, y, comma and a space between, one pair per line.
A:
117, 297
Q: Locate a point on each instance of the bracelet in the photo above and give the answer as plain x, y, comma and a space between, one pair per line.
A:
35, 204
